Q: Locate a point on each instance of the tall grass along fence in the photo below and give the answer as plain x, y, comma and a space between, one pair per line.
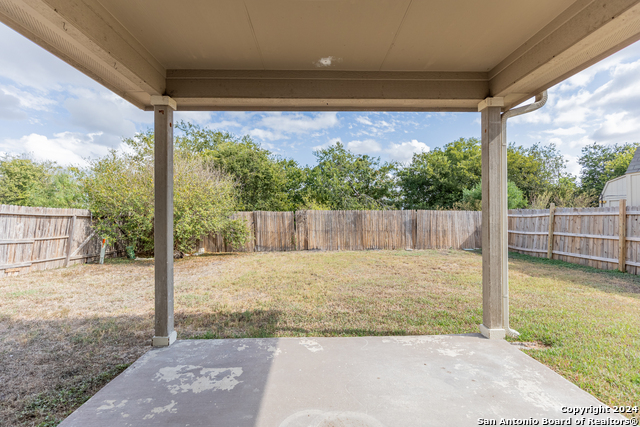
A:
604, 238
355, 230
41, 238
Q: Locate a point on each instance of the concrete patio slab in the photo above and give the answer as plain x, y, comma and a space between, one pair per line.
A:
343, 382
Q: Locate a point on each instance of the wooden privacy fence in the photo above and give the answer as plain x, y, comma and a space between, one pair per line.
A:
355, 230
41, 238
588, 236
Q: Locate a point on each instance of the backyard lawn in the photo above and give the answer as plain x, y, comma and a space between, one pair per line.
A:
65, 333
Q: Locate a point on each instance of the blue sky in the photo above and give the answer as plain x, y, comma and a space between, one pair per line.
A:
54, 112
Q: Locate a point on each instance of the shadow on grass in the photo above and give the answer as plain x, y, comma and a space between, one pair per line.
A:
259, 324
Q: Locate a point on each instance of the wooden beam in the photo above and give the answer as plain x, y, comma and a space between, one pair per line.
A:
517, 248
72, 227
552, 220
85, 35
587, 32
326, 90
163, 222
622, 232
493, 227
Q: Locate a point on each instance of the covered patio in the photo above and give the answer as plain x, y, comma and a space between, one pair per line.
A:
317, 55
455, 380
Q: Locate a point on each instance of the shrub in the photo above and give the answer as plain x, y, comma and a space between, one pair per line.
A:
472, 198
121, 198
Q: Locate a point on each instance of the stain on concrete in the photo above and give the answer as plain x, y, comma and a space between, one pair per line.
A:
170, 408
311, 345
184, 378
111, 404
317, 418
450, 352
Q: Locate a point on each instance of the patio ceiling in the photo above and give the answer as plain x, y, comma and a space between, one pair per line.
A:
418, 55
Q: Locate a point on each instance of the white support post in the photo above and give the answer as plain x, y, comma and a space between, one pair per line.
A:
164, 107
494, 219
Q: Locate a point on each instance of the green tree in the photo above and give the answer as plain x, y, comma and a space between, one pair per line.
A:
266, 182
344, 180
600, 163
436, 179
24, 182
535, 169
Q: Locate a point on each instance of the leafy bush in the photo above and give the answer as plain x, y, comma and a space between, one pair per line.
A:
121, 198
565, 194
472, 198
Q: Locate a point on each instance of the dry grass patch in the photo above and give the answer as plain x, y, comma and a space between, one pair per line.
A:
64, 333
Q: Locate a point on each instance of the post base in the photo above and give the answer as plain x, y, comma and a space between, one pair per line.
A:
164, 341
492, 334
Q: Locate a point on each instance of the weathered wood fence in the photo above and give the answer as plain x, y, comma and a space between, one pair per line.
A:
41, 238
588, 236
355, 230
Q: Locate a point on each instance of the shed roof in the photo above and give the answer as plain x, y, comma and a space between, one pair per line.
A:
327, 54
634, 166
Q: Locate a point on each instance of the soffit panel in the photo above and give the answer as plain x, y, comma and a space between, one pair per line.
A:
360, 35
295, 35
197, 34
467, 35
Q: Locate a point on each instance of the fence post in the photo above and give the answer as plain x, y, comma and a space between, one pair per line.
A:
622, 233
70, 240
552, 220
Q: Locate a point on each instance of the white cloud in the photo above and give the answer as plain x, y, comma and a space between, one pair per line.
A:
572, 165
265, 134
536, 117
63, 148
103, 116
224, 125
9, 108
28, 65
327, 144
364, 120
197, 117
575, 130
618, 125
28, 100
404, 151
299, 123
367, 146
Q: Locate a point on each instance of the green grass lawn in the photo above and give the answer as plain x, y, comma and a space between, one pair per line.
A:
80, 326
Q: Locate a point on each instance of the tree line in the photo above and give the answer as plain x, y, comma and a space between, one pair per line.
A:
217, 173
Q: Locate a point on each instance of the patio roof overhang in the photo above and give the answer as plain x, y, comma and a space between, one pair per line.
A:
388, 55
404, 55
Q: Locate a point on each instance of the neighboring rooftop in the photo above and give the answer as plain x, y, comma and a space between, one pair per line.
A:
634, 166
